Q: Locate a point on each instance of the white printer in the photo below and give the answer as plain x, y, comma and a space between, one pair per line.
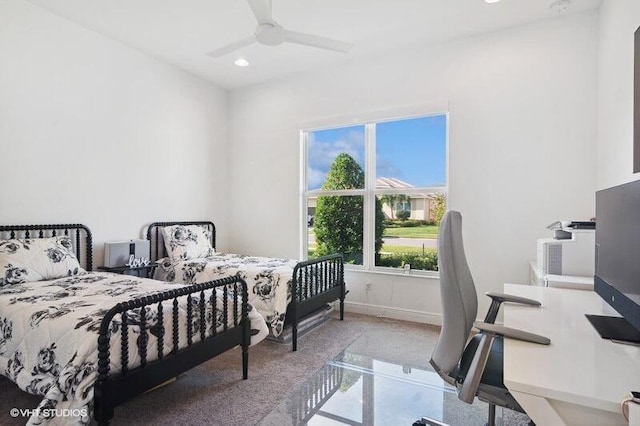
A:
566, 259
573, 255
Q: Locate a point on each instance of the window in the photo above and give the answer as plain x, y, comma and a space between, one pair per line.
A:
376, 192
403, 206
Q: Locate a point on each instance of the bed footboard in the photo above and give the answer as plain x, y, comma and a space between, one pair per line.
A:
210, 330
315, 283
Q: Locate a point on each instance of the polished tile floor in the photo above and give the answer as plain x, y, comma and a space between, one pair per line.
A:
383, 378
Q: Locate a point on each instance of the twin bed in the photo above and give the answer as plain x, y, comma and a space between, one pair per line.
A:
89, 341
284, 291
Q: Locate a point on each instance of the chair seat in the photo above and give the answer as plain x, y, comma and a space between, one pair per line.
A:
493, 371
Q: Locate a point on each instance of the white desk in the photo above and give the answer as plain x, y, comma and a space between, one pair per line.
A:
580, 378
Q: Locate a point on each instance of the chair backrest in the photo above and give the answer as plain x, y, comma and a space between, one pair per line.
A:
458, 294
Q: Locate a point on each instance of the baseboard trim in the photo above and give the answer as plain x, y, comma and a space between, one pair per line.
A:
393, 312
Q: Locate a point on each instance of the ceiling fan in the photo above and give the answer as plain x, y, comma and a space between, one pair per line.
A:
270, 33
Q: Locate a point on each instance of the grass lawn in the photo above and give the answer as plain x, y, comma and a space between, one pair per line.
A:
409, 232
413, 232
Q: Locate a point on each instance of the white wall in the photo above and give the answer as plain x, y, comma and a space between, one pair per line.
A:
92, 131
86, 125
619, 19
522, 147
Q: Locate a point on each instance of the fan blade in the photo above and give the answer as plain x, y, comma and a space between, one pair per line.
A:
232, 47
262, 11
317, 41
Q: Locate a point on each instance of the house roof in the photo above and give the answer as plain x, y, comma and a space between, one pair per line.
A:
393, 183
389, 183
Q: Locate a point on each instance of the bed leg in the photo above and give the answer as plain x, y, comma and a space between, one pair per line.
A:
342, 297
103, 415
294, 335
102, 408
245, 362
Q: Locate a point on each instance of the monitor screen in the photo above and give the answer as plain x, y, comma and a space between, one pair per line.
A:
617, 277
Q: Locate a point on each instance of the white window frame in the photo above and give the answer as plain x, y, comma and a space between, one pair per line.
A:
369, 192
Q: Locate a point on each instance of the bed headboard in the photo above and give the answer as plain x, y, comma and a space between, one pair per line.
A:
157, 249
80, 235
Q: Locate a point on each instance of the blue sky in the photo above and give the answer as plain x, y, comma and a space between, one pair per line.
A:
412, 150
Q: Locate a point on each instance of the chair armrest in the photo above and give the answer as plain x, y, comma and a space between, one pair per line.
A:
498, 298
471, 382
489, 332
501, 297
511, 333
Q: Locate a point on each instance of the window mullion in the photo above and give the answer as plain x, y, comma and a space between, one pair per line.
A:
339, 192
369, 199
304, 197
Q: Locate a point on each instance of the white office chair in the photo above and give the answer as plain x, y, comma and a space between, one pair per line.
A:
475, 366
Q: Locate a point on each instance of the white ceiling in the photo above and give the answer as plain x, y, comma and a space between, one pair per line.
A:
181, 32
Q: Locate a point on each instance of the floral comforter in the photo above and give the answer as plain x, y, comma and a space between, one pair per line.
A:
49, 330
267, 280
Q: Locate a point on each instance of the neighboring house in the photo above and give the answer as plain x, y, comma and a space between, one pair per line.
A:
420, 205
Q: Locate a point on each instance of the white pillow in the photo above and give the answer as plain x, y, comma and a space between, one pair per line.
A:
187, 242
38, 259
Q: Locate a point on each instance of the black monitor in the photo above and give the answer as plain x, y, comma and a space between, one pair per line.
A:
617, 276
636, 103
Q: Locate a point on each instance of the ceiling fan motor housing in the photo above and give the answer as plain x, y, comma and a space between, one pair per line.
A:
270, 34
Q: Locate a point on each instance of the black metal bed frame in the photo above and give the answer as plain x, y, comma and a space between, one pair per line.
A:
316, 282
80, 236
113, 389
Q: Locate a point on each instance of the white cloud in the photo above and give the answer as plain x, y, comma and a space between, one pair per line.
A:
322, 155
384, 168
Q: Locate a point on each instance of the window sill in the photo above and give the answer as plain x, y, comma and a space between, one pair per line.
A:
431, 275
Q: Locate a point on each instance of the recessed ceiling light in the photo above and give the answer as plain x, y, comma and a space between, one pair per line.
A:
241, 62
491, 1
560, 5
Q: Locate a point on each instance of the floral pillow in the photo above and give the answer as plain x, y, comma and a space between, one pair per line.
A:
187, 242
39, 259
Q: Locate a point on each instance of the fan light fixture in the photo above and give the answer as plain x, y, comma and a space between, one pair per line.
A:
241, 62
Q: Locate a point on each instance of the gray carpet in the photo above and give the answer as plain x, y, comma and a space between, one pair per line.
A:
215, 394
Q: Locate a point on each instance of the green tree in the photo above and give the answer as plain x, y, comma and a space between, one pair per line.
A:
338, 222
390, 200
404, 215
439, 207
